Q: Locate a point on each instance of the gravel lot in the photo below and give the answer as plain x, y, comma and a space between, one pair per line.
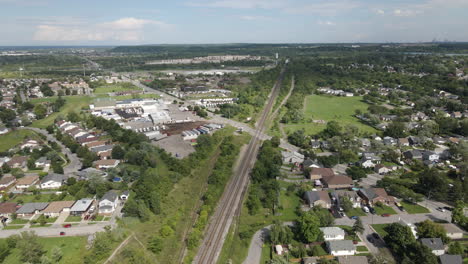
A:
175, 145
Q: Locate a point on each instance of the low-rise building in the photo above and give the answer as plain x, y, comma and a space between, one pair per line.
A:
42, 162
352, 260
292, 157
108, 202
317, 198
451, 259
81, 207
338, 182
332, 233
124, 195
54, 209
27, 181
435, 244
30, 209
351, 195
374, 195
18, 162
453, 231
6, 209
106, 164
52, 181
319, 173
6, 181
341, 247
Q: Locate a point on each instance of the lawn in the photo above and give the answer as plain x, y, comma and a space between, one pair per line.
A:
288, 203
74, 103
73, 249
328, 108
414, 208
19, 221
13, 227
384, 209
38, 225
99, 218
362, 249
379, 228
72, 218
136, 96
111, 88
38, 198
13, 138
266, 253
355, 212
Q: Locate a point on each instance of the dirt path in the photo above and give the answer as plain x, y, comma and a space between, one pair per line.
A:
125, 242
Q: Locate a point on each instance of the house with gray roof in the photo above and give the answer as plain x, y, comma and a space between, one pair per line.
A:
317, 198
435, 244
352, 260
341, 247
81, 206
332, 233
100, 149
451, 259
108, 202
52, 181
30, 209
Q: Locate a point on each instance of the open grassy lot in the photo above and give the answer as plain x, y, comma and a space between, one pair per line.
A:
414, 208
72, 218
119, 87
38, 225
266, 253
384, 209
328, 108
38, 198
73, 249
13, 138
355, 212
74, 103
136, 96
379, 228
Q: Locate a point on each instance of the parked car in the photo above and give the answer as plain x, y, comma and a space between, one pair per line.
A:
448, 208
62, 233
386, 215
400, 206
372, 210
67, 225
354, 217
365, 209
441, 209
375, 235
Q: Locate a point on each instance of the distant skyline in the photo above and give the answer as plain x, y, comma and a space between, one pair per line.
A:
104, 22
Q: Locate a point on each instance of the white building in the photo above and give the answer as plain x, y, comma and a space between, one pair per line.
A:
332, 233
108, 203
52, 181
341, 247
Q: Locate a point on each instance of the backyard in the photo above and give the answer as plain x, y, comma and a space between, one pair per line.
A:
328, 108
74, 103
13, 138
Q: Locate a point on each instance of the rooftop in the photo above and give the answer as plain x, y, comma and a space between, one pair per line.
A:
81, 205
433, 243
341, 245
30, 208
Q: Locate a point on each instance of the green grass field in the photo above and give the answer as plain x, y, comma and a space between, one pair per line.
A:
362, 248
414, 208
384, 209
13, 138
10, 227
74, 103
72, 218
379, 228
111, 88
328, 108
38, 198
73, 249
355, 212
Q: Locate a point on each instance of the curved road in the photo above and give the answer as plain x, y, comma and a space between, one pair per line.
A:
75, 163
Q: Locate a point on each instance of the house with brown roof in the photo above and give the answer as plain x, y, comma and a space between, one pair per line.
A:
18, 162
105, 155
27, 181
55, 208
403, 142
373, 195
453, 231
319, 173
6, 209
317, 198
338, 182
106, 164
95, 144
6, 181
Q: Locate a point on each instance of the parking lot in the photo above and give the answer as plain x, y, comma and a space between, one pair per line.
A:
175, 145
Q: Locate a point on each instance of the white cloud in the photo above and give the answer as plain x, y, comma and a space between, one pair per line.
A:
254, 18
327, 8
124, 29
406, 12
380, 12
240, 4
326, 23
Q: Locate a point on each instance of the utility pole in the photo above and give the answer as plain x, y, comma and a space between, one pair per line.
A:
84, 70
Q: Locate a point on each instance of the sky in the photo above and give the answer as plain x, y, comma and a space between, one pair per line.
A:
137, 22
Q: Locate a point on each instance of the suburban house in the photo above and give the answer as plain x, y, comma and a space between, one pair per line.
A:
451, 259
30, 209
317, 198
6, 181
403, 142
27, 181
52, 181
3, 160
292, 157
332, 233
18, 162
373, 195
453, 231
382, 169
88, 173
310, 260
30, 144
435, 244
430, 156
55, 208
42, 162
413, 154
351, 195
108, 202
341, 247
308, 163
124, 195
6, 209
81, 206
338, 182
106, 164
369, 160
319, 173
352, 260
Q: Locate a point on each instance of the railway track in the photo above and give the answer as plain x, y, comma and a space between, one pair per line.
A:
233, 194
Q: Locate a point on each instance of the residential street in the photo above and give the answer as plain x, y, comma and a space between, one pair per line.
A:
74, 165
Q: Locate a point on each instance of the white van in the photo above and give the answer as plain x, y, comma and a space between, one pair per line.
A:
366, 209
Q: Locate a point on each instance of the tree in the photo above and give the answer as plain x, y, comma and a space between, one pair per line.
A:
358, 227
400, 239
56, 254
332, 129
356, 172
308, 227
30, 248
4, 250
324, 216
40, 111
118, 152
429, 229
280, 234
456, 248
458, 216
395, 130
155, 245
346, 204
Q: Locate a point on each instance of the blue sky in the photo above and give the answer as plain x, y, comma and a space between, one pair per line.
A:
117, 22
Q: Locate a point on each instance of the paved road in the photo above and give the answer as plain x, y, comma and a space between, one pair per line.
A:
231, 199
54, 231
74, 165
